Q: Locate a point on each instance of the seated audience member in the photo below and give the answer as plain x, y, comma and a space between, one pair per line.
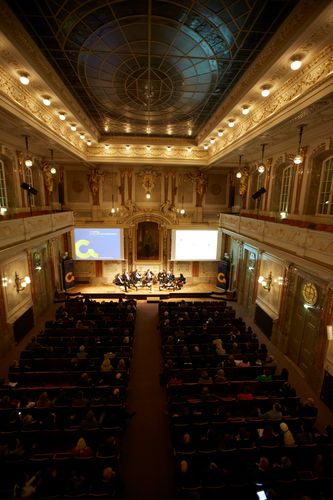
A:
43, 401
90, 421
245, 363
121, 364
245, 393
107, 483
284, 470
85, 380
266, 376
288, 438
219, 349
262, 471
268, 436
76, 484
81, 449
274, 414
220, 377
25, 487
213, 475
205, 378
106, 364
185, 444
82, 354
229, 362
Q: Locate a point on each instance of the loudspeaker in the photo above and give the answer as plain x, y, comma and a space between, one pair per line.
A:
258, 193
29, 188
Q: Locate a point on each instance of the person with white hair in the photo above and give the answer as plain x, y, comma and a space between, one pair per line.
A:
288, 438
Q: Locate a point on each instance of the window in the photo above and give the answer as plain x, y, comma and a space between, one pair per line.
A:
29, 180
286, 182
3, 187
325, 198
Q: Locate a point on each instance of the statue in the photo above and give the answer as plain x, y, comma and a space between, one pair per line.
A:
201, 181
48, 177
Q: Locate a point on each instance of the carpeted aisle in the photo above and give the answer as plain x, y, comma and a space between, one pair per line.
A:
147, 466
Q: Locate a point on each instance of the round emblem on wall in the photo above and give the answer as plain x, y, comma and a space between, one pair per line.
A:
310, 293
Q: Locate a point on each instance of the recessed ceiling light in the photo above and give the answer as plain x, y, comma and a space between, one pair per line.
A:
206, 146
220, 132
245, 109
47, 100
73, 127
265, 90
62, 116
106, 146
212, 140
189, 149
89, 142
148, 148
128, 146
24, 78
296, 62
82, 135
169, 148
231, 122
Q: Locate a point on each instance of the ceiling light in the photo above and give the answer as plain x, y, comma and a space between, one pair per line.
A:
239, 173
128, 147
169, 148
189, 149
28, 160
296, 63
47, 100
106, 146
82, 135
62, 116
206, 146
265, 90
245, 109
231, 122
298, 159
212, 140
261, 167
148, 148
148, 130
89, 142
220, 132
189, 131
24, 78
148, 195
73, 127
53, 170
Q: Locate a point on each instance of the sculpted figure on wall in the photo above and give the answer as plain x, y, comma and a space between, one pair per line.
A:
95, 176
47, 176
200, 180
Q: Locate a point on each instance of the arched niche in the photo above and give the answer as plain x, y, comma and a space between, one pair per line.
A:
147, 240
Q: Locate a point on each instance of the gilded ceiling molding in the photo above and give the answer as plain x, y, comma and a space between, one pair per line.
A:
303, 11
293, 89
22, 42
21, 102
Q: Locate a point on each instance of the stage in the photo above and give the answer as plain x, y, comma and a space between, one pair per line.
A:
112, 291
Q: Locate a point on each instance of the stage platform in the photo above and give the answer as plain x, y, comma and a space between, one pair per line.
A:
104, 292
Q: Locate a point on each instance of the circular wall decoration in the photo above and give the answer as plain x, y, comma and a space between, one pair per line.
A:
310, 293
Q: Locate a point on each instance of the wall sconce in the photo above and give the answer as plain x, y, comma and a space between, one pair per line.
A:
21, 283
266, 283
182, 210
261, 167
6, 281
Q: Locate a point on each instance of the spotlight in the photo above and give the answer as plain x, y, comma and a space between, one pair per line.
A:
296, 62
47, 100
62, 116
265, 90
220, 133
245, 109
231, 123
73, 127
212, 140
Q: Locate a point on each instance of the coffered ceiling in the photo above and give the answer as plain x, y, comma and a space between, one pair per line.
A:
138, 76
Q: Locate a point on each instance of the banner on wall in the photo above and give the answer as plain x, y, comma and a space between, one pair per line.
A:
223, 269
68, 273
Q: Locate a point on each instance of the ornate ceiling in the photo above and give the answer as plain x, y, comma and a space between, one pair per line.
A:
151, 66
159, 81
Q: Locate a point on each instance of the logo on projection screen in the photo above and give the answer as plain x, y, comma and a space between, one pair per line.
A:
85, 253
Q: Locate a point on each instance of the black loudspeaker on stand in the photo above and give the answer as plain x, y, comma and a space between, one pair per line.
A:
258, 193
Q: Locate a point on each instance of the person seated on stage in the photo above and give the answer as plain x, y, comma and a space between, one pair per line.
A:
181, 281
125, 282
